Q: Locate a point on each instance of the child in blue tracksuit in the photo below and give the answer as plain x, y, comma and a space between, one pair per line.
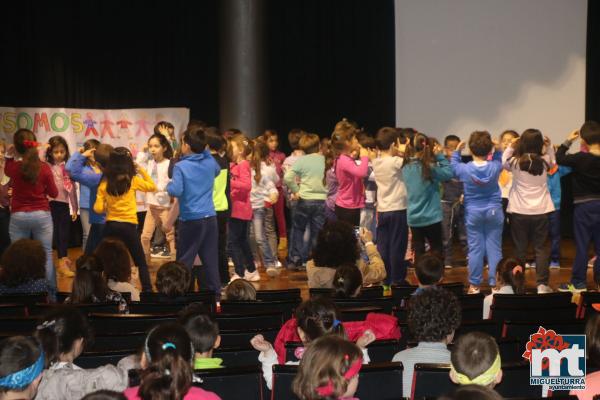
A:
554, 176
192, 183
483, 206
79, 166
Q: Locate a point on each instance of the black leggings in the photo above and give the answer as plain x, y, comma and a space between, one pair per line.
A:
350, 215
433, 234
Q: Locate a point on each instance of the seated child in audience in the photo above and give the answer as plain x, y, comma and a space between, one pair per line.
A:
472, 392
240, 290
173, 279
89, 285
21, 367
592, 380
510, 279
23, 269
115, 260
429, 270
476, 360
329, 370
204, 333
104, 395
315, 318
167, 367
63, 334
433, 317
347, 281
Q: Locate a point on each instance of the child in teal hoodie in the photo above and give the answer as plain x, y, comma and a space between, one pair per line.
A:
424, 169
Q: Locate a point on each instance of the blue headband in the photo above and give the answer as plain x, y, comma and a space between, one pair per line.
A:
336, 322
22, 378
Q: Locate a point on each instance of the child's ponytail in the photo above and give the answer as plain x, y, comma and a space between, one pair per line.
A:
510, 271
260, 153
319, 317
169, 353
26, 145
528, 152
421, 148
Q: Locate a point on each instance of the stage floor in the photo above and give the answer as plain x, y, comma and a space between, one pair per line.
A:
457, 274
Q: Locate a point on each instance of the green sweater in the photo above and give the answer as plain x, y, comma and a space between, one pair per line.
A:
309, 171
208, 363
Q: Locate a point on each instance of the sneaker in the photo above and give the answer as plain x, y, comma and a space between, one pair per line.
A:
272, 271
473, 290
278, 265
554, 264
162, 254
448, 266
530, 265
542, 289
234, 277
252, 276
574, 288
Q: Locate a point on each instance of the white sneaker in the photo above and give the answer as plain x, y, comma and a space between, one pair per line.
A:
542, 289
230, 262
252, 276
529, 266
272, 271
235, 277
278, 265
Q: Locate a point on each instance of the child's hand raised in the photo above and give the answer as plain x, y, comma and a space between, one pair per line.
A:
363, 152
260, 344
88, 153
437, 149
10, 151
461, 146
573, 136
497, 144
366, 339
365, 235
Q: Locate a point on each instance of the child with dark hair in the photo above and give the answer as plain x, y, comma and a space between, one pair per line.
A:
475, 360
433, 317
32, 184
425, 167
117, 197
63, 334
204, 334
367, 214
592, 380
86, 167
483, 206
529, 203
586, 197
391, 205
89, 286
21, 367
22, 269
167, 366
104, 395
192, 184
240, 290
453, 207
277, 158
57, 155
310, 194
173, 279
347, 281
116, 262
330, 179
429, 270
510, 279
328, 370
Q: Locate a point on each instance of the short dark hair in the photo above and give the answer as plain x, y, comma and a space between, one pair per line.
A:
173, 279
480, 143
433, 314
451, 138
336, 245
23, 261
429, 269
366, 140
347, 280
294, 138
590, 132
88, 285
203, 331
115, 259
592, 334
386, 137
16, 354
474, 353
240, 290
195, 137
166, 124
214, 140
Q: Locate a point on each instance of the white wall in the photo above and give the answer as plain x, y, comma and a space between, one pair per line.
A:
463, 65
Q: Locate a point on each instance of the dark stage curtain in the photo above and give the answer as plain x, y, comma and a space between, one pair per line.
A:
330, 59
592, 80
110, 54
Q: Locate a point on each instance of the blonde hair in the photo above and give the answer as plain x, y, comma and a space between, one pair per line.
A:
240, 290
310, 143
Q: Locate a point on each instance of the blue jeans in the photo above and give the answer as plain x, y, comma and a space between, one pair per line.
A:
368, 220
586, 226
554, 219
484, 236
308, 213
84, 218
36, 225
259, 216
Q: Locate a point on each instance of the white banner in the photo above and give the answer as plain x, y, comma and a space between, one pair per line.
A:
130, 128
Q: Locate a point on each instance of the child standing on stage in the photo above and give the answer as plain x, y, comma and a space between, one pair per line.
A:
330, 180
391, 205
84, 191
555, 175
505, 179
425, 167
192, 183
157, 160
117, 197
56, 156
529, 203
263, 195
277, 158
240, 148
483, 206
367, 214
32, 183
586, 196
350, 175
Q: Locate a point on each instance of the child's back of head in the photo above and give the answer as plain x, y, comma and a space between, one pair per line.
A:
433, 315
386, 137
22, 261
318, 317
476, 360
88, 285
480, 143
429, 269
240, 290
195, 139
347, 281
203, 331
215, 141
510, 272
115, 259
528, 153
590, 132
309, 143
173, 279
21, 367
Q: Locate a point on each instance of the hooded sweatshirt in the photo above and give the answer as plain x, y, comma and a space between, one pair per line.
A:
193, 181
480, 180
